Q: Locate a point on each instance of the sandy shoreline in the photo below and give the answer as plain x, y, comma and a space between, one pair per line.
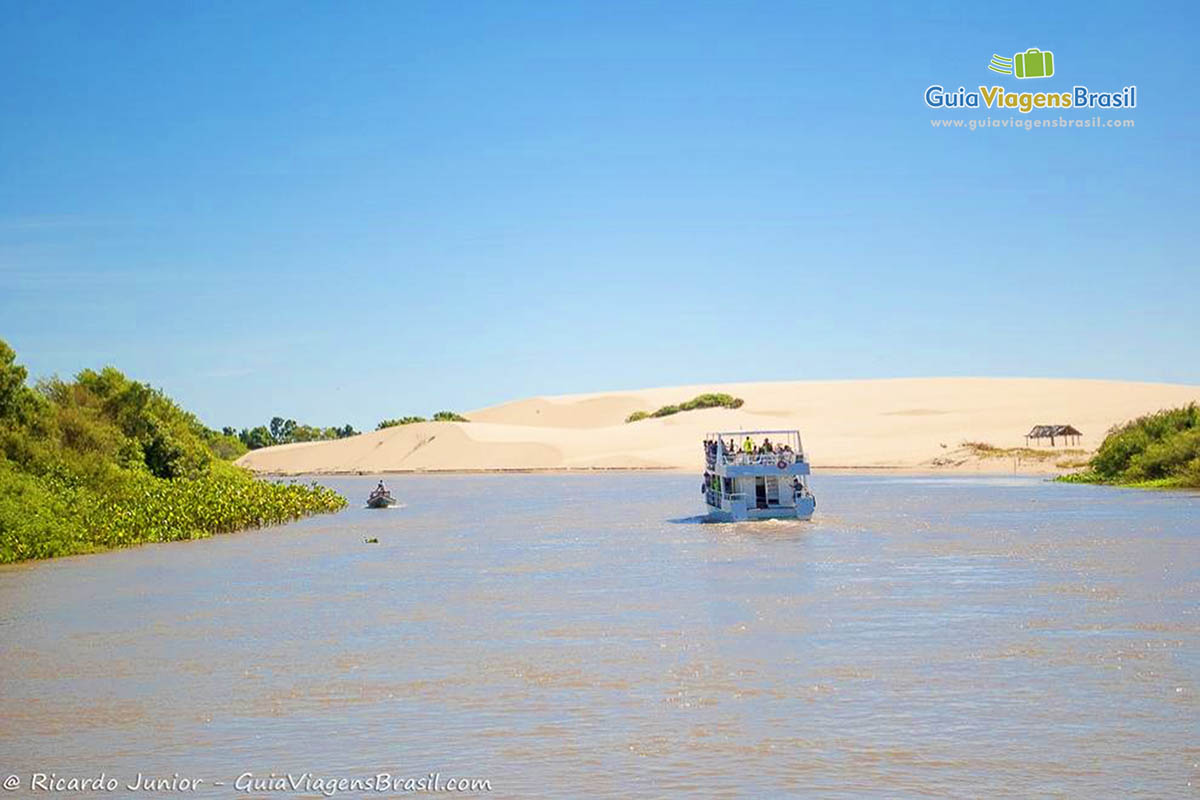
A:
896, 424
833, 470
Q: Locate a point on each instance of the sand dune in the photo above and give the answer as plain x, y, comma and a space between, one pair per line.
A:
904, 423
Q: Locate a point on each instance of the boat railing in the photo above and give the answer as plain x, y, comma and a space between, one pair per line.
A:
760, 459
756, 458
715, 497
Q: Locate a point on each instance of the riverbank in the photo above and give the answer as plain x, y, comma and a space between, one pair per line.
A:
1154, 451
927, 424
103, 462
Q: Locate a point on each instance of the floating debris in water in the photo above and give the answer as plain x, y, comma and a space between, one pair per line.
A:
372, 540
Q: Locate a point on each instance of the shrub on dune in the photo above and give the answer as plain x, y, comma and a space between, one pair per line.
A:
710, 400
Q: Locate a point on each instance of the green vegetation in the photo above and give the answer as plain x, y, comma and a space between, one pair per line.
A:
1160, 450
286, 431
719, 400
1064, 457
441, 416
104, 461
393, 423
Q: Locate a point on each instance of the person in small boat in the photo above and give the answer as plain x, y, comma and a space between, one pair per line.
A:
380, 489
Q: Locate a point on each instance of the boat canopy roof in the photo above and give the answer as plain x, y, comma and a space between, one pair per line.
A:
737, 434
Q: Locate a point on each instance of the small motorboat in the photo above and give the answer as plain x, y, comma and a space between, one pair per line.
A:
380, 497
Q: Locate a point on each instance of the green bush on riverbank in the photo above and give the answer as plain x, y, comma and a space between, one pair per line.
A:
103, 461
1160, 450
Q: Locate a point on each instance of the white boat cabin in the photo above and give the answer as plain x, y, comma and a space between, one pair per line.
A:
756, 475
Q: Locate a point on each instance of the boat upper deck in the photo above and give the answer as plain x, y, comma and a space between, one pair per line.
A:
774, 449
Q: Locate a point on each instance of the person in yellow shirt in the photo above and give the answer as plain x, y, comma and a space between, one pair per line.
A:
747, 446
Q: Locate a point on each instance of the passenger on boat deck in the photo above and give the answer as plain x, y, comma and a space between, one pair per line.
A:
748, 446
731, 448
766, 448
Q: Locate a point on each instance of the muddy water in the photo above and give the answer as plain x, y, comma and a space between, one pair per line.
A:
584, 635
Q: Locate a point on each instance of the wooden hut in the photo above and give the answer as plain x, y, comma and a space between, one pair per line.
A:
1067, 433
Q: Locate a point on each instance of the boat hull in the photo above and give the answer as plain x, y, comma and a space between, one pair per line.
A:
737, 512
380, 502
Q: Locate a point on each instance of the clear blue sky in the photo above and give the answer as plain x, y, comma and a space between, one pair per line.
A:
344, 211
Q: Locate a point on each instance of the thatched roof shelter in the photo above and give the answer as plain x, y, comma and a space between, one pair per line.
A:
1067, 433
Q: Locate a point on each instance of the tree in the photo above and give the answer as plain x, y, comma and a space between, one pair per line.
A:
12, 382
289, 431
256, 438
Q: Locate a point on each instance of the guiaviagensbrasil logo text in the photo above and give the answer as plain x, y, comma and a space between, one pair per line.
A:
1029, 64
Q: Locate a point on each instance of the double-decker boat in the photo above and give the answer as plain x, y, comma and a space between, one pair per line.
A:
756, 475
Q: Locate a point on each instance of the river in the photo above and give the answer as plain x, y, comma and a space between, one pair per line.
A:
585, 635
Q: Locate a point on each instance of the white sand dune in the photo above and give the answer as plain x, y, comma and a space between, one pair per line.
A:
904, 423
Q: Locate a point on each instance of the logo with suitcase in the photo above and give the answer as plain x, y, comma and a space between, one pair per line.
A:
1033, 63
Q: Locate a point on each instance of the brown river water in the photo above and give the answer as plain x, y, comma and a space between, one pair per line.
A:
585, 635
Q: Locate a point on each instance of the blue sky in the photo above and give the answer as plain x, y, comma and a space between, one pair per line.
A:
345, 211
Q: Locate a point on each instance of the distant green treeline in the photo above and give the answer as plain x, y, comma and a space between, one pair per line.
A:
104, 461
1160, 450
288, 431
285, 431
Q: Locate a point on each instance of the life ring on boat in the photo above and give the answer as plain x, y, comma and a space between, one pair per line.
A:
782, 463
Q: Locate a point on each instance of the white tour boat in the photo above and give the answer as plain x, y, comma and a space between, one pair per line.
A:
756, 475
